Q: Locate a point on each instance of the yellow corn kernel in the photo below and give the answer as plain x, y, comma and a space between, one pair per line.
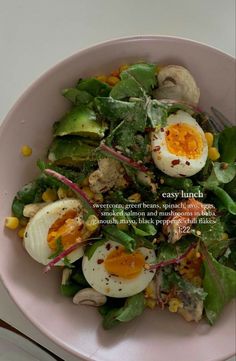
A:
198, 254
11, 222
122, 226
112, 80
23, 222
21, 232
70, 193
151, 303
50, 195
88, 192
213, 153
26, 151
175, 304
85, 182
136, 197
115, 73
92, 223
61, 193
98, 197
197, 281
102, 78
209, 138
123, 67
225, 236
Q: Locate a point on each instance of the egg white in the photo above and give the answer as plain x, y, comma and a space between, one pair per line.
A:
163, 158
36, 233
103, 282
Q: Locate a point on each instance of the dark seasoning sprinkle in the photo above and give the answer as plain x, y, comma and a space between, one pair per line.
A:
175, 162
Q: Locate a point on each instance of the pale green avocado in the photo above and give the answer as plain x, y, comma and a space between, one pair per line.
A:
81, 121
70, 151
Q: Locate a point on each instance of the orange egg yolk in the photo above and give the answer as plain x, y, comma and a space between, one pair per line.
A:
184, 140
123, 264
67, 228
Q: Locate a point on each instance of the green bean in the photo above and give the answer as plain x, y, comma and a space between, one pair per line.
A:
178, 183
225, 199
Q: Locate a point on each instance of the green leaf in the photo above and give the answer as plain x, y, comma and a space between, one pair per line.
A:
224, 172
220, 284
133, 307
79, 278
144, 74
127, 88
113, 109
94, 87
157, 113
230, 188
77, 97
17, 207
70, 289
227, 145
59, 248
115, 234
212, 234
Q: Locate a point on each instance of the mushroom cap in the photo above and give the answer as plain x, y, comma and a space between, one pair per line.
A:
176, 82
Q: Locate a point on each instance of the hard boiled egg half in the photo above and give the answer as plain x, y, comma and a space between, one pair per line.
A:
180, 148
58, 220
114, 272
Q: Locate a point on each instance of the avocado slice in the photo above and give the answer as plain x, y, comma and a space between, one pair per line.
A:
69, 151
82, 121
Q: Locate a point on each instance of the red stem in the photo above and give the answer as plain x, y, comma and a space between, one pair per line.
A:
132, 163
62, 255
71, 185
173, 260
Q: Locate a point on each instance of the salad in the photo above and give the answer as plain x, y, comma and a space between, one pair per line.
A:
136, 202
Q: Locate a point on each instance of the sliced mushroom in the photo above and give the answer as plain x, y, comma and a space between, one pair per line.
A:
31, 209
90, 297
176, 82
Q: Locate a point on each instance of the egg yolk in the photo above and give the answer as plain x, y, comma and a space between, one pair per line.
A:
67, 228
123, 264
183, 140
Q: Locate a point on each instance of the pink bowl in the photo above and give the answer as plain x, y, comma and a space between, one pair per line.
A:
155, 335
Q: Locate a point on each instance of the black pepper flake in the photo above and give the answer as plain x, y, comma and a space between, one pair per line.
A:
100, 261
120, 289
156, 149
146, 258
162, 129
187, 162
175, 162
151, 271
108, 246
117, 247
26, 234
182, 175
106, 278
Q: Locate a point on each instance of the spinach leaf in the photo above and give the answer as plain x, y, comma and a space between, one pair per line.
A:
167, 251
115, 234
212, 234
113, 109
157, 113
230, 188
94, 87
133, 307
144, 74
224, 172
220, 284
127, 88
77, 96
227, 145
70, 289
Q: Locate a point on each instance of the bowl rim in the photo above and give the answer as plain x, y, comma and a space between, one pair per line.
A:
41, 78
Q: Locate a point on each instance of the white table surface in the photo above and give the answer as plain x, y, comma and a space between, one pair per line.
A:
34, 35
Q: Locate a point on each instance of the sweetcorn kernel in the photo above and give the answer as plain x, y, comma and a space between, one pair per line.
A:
26, 151
85, 182
136, 197
122, 226
50, 195
92, 223
175, 304
123, 67
225, 236
151, 303
88, 192
112, 80
98, 197
11, 222
21, 232
102, 78
209, 138
115, 73
61, 193
213, 153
